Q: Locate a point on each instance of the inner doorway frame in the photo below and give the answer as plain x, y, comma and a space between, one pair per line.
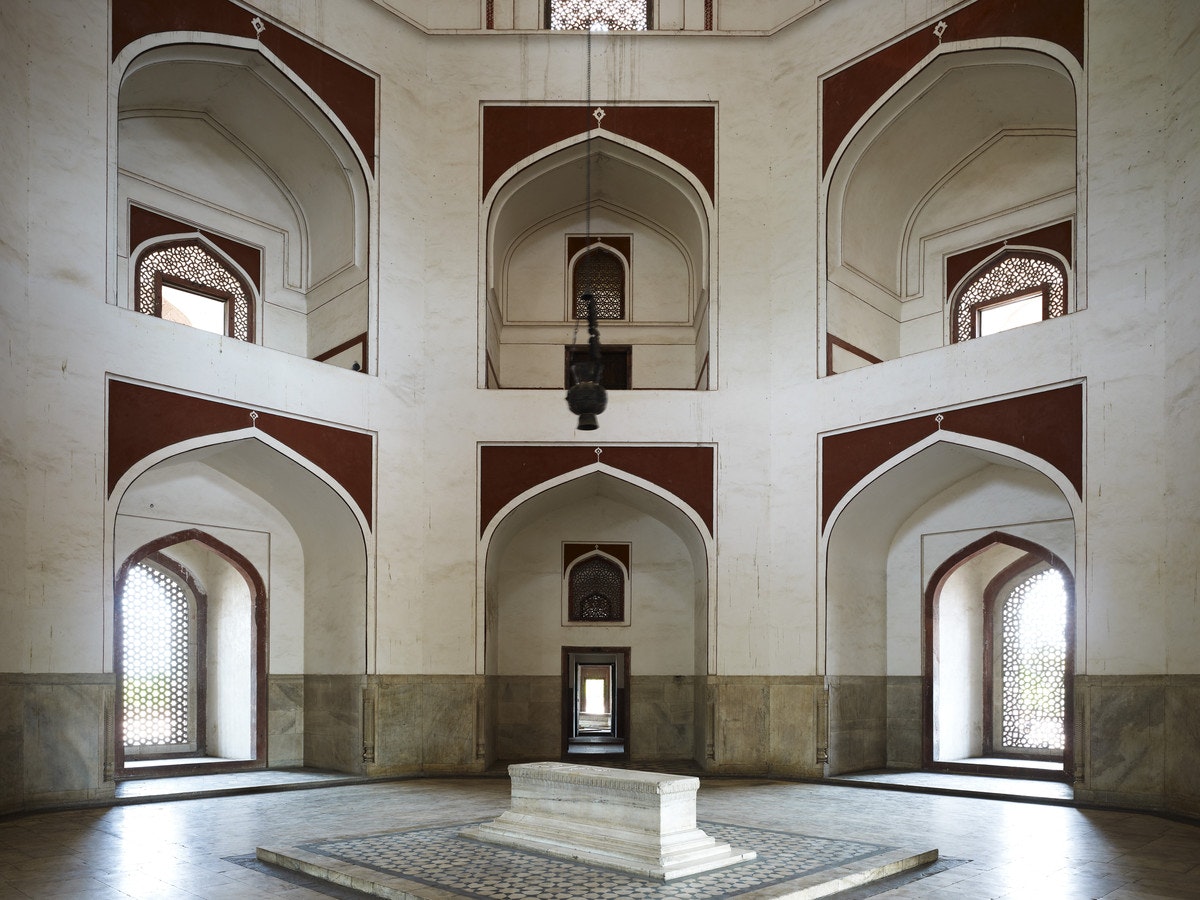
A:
595, 747
257, 689
1065, 772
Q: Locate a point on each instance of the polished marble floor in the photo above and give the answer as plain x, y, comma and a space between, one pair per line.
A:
199, 847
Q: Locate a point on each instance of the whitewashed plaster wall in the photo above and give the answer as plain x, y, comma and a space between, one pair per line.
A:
1116, 344
1181, 350
660, 603
769, 408
660, 306
15, 322
958, 697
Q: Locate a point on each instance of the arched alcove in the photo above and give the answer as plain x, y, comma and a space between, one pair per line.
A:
970, 724
648, 210
190, 643
664, 631
882, 546
1005, 163
296, 529
223, 140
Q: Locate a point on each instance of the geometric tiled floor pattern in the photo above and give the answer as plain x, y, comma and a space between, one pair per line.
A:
438, 862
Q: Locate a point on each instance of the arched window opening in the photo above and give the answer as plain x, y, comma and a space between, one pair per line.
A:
189, 656
602, 273
999, 653
596, 591
609, 15
160, 648
186, 282
1018, 288
1029, 666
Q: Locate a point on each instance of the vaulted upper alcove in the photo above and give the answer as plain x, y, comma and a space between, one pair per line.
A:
222, 142
649, 222
1003, 165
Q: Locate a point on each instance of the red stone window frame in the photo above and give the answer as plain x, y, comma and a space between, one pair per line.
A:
151, 274
615, 559
603, 267
965, 309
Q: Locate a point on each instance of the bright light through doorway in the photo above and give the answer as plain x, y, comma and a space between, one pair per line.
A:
196, 310
1011, 314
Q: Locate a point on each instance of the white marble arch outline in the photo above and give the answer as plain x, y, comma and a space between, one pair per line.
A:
186, 45
112, 504
829, 193
532, 167
707, 539
1029, 460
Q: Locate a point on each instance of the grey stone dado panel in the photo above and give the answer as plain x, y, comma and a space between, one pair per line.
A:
1140, 741
12, 745
1124, 740
858, 723
1183, 744
661, 711
765, 725
55, 740
285, 720
429, 724
528, 717
333, 723
904, 723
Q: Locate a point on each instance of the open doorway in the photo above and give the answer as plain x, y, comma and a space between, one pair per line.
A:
999, 654
595, 701
189, 658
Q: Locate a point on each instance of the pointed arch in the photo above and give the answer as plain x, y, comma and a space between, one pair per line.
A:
641, 191
1006, 276
323, 517
596, 587
257, 701
1033, 557
306, 191
194, 265
517, 571
968, 441
887, 218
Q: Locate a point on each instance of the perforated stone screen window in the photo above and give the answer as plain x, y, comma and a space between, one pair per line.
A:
597, 591
603, 272
1011, 276
192, 266
1033, 660
615, 15
157, 678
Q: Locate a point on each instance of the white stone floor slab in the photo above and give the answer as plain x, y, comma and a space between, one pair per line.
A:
190, 848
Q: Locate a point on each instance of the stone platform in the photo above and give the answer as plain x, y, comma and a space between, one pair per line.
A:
436, 864
642, 823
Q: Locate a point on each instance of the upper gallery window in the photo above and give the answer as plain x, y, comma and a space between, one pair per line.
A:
598, 15
1017, 288
186, 282
603, 273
